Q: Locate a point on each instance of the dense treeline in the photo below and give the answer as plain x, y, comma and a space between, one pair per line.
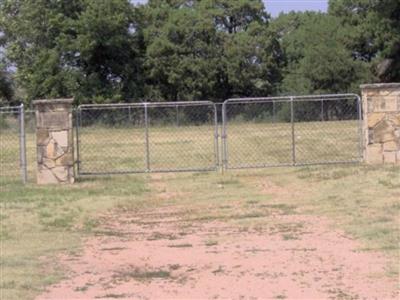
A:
111, 50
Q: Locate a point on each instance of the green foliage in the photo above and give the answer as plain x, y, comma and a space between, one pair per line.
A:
112, 51
374, 34
181, 59
32, 30
209, 50
105, 50
317, 60
81, 48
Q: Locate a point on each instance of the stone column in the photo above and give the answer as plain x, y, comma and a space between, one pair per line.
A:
54, 138
381, 123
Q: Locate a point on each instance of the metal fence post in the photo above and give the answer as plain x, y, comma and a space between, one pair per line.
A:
146, 122
216, 137
177, 115
293, 131
22, 144
224, 138
273, 112
361, 140
78, 121
322, 110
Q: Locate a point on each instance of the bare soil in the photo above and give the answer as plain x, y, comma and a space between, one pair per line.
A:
168, 253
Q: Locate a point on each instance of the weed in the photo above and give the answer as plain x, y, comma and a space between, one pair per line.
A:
175, 267
144, 275
113, 249
389, 183
249, 215
211, 243
232, 181
62, 222
284, 209
89, 224
114, 296
180, 246
251, 202
287, 237
218, 271
81, 289
161, 236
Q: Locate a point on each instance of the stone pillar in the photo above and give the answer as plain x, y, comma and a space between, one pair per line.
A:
54, 138
381, 123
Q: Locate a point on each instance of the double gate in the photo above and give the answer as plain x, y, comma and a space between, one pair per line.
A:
190, 136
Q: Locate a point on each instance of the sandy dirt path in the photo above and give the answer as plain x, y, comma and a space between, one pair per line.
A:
168, 253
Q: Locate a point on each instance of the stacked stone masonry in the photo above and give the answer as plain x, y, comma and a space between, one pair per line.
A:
381, 106
54, 135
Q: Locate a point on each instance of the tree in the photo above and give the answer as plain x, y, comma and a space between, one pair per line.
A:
81, 48
32, 30
209, 49
104, 50
317, 60
6, 86
181, 59
374, 34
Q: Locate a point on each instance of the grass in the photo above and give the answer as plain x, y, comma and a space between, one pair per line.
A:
40, 222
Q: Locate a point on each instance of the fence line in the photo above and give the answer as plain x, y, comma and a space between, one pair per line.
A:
189, 136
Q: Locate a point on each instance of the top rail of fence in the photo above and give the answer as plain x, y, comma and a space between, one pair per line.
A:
11, 109
147, 104
320, 97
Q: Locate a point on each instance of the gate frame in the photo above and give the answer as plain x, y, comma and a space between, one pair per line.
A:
145, 106
291, 100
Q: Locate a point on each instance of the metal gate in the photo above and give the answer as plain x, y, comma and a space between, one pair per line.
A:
183, 136
147, 137
286, 131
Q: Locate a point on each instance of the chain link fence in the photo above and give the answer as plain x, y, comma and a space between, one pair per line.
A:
283, 131
146, 137
184, 136
17, 145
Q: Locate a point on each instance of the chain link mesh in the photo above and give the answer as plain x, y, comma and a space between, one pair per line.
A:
9, 140
110, 140
260, 132
16, 141
146, 137
30, 142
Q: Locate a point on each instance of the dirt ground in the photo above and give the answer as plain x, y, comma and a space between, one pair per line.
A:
155, 255
175, 253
